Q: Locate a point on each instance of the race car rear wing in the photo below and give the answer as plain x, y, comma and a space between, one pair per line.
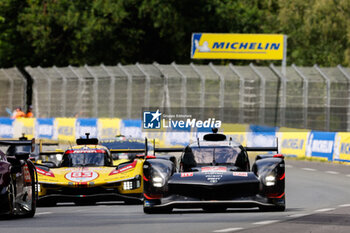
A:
181, 149
19, 143
54, 152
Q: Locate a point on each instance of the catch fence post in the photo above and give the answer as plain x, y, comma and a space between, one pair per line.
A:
305, 94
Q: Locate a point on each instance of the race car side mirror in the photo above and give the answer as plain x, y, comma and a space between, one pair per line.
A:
22, 155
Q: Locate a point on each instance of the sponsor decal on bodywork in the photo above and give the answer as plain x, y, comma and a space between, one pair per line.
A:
245, 174
214, 169
26, 173
186, 174
81, 176
123, 169
45, 173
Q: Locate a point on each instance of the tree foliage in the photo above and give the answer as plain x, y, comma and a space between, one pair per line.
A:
62, 32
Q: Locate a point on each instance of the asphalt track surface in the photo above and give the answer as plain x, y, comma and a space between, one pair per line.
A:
318, 200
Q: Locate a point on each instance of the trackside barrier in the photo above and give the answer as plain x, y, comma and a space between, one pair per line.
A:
331, 146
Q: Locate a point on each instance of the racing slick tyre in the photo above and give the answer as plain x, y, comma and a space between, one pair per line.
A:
9, 201
272, 208
32, 210
279, 205
133, 202
150, 210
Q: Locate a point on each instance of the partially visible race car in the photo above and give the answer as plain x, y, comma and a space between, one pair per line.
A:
18, 179
124, 149
34, 153
87, 175
214, 175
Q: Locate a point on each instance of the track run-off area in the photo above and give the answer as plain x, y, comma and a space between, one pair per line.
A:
317, 195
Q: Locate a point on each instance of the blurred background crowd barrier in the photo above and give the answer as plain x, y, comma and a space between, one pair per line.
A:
307, 97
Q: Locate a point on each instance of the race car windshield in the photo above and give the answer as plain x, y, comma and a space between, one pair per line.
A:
83, 160
215, 155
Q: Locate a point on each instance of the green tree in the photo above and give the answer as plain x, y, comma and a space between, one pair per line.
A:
317, 31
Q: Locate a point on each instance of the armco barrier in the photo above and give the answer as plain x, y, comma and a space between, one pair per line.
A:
329, 146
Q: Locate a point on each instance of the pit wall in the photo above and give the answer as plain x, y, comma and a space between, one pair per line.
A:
331, 146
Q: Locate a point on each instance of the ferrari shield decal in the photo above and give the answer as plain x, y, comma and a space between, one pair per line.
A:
81, 176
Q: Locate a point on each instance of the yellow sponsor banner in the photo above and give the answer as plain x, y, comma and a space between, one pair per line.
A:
157, 138
65, 129
238, 132
238, 46
342, 147
108, 127
292, 142
24, 126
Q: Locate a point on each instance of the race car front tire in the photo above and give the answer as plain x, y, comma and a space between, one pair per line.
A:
159, 210
32, 210
272, 208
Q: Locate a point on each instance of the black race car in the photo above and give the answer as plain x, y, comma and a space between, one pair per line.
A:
18, 180
214, 174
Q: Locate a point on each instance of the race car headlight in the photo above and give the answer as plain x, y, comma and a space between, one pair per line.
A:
127, 185
132, 184
38, 188
158, 181
270, 180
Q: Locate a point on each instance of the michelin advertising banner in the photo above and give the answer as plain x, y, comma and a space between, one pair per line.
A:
261, 136
329, 146
6, 127
24, 126
321, 144
65, 129
238, 46
292, 142
44, 128
342, 147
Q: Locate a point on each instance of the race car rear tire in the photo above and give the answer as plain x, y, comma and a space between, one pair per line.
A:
150, 210
272, 208
133, 202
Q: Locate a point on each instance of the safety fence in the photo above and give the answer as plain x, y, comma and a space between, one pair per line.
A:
13, 90
307, 97
331, 146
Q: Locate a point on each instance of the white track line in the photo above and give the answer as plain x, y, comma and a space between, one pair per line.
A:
266, 222
288, 166
229, 229
332, 172
325, 210
42, 213
344, 205
309, 169
348, 175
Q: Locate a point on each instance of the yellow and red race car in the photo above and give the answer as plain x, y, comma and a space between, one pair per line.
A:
88, 174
